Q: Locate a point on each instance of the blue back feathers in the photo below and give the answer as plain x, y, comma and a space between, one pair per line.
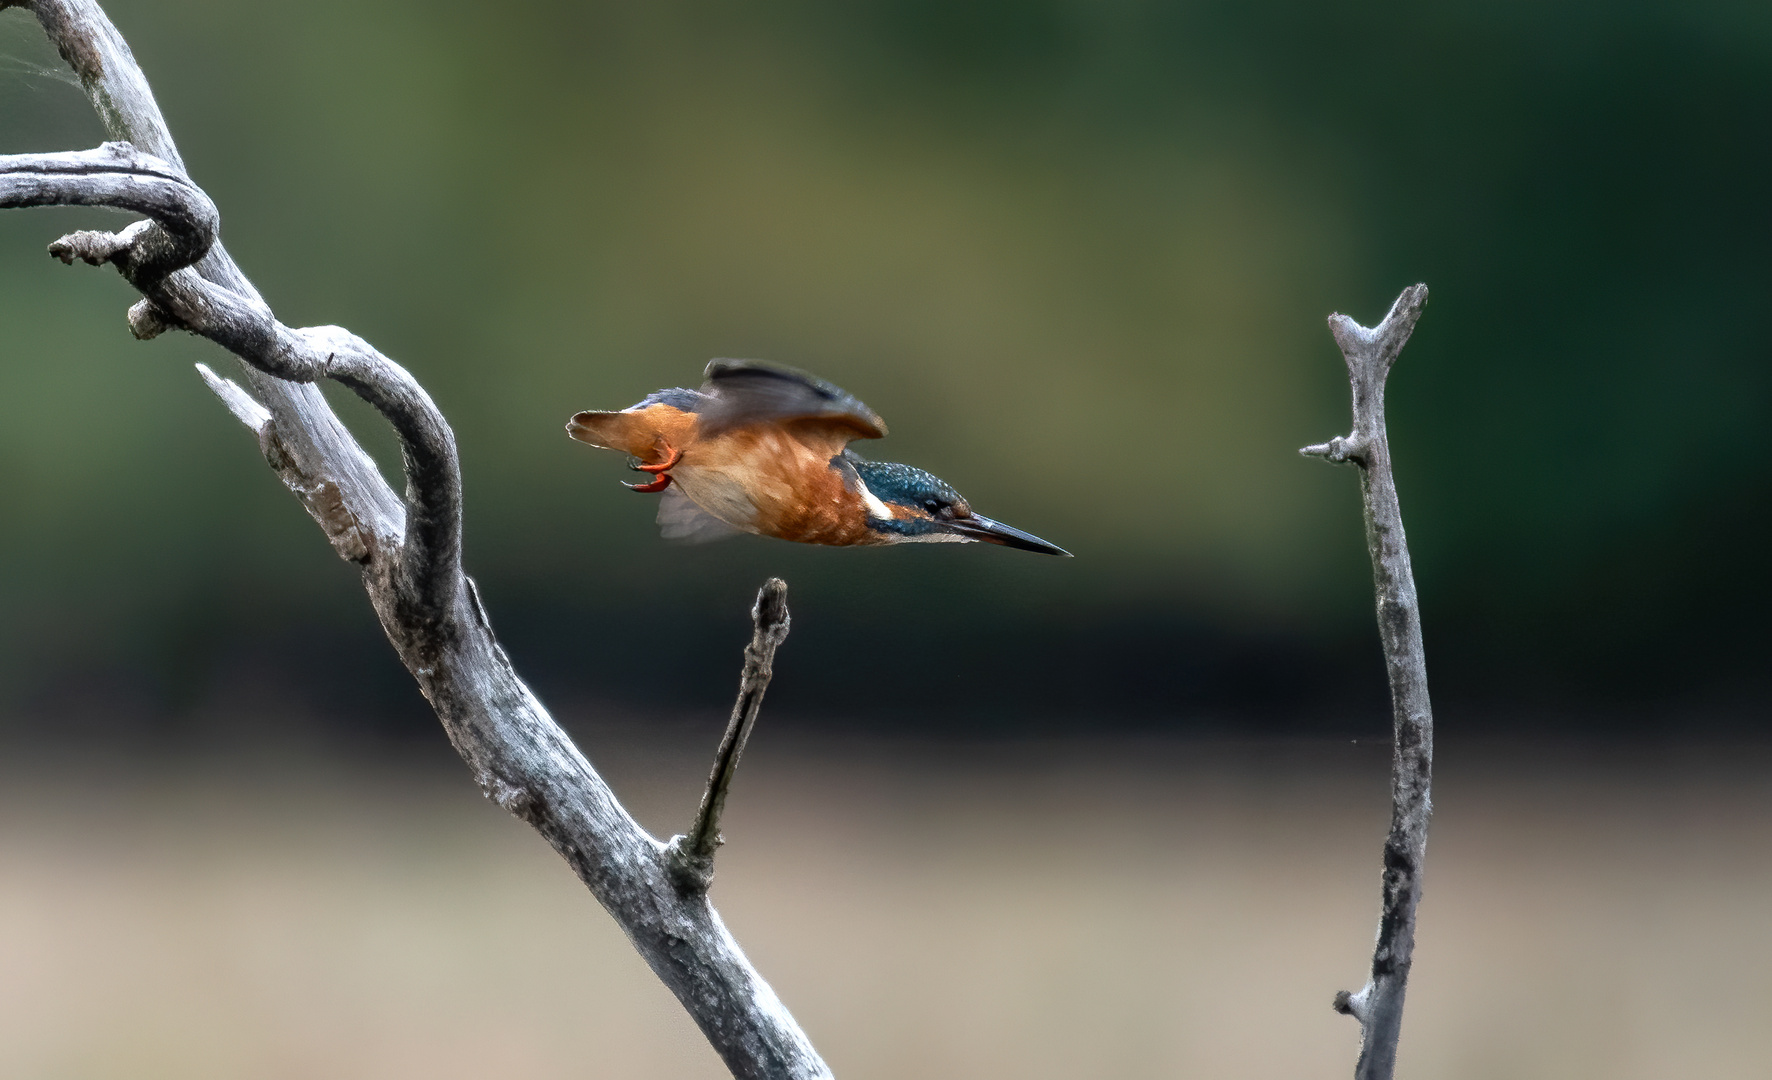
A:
676, 397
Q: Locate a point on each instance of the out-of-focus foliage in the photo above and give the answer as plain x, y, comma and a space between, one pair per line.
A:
1078, 254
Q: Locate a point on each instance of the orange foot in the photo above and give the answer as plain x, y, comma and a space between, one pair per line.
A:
662, 478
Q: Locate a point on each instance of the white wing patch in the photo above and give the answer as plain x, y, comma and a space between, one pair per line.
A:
681, 520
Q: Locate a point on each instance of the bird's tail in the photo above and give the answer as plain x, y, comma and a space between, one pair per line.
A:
640, 433
622, 431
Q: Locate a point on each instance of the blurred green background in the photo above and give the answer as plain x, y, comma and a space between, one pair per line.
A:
1078, 254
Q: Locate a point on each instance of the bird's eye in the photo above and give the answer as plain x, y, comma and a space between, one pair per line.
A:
931, 505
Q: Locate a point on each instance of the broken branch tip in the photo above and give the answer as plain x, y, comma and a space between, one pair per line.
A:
1338, 451
769, 615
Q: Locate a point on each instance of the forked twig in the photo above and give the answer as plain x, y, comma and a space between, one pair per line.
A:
1378, 1006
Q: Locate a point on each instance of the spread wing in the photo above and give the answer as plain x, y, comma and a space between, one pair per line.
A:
680, 519
740, 392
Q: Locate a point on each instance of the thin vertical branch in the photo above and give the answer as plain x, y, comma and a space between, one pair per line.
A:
1378, 1006
693, 854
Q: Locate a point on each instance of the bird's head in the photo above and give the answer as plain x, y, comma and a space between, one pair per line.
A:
908, 505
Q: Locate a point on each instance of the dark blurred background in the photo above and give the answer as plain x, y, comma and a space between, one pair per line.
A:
1078, 254
1007, 816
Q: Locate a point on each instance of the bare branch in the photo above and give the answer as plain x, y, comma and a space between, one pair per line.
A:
409, 549
1378, 1006
116, 175
249, 412
152, 255
693, 855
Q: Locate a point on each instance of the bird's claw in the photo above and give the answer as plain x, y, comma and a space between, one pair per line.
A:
661, 478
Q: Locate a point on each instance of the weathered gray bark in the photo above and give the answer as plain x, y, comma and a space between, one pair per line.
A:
407, 548
692, 854
1378, 1006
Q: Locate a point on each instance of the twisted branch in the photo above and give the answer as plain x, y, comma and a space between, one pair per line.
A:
408, 548
1378, 1006
152, 256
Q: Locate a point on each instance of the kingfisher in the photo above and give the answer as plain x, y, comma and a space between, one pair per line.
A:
764, 449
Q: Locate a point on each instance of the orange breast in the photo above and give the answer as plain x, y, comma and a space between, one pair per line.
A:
789, 479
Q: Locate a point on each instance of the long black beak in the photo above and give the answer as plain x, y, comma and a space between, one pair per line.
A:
979, 527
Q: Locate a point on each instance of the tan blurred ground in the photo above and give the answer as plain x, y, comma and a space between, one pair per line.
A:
1121, 908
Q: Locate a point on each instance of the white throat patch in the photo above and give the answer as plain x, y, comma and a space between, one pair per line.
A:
876, 508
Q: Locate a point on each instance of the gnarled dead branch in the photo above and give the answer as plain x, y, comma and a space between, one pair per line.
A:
1378, 1006
408, 548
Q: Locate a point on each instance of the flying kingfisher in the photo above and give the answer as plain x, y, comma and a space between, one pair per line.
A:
765, 449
